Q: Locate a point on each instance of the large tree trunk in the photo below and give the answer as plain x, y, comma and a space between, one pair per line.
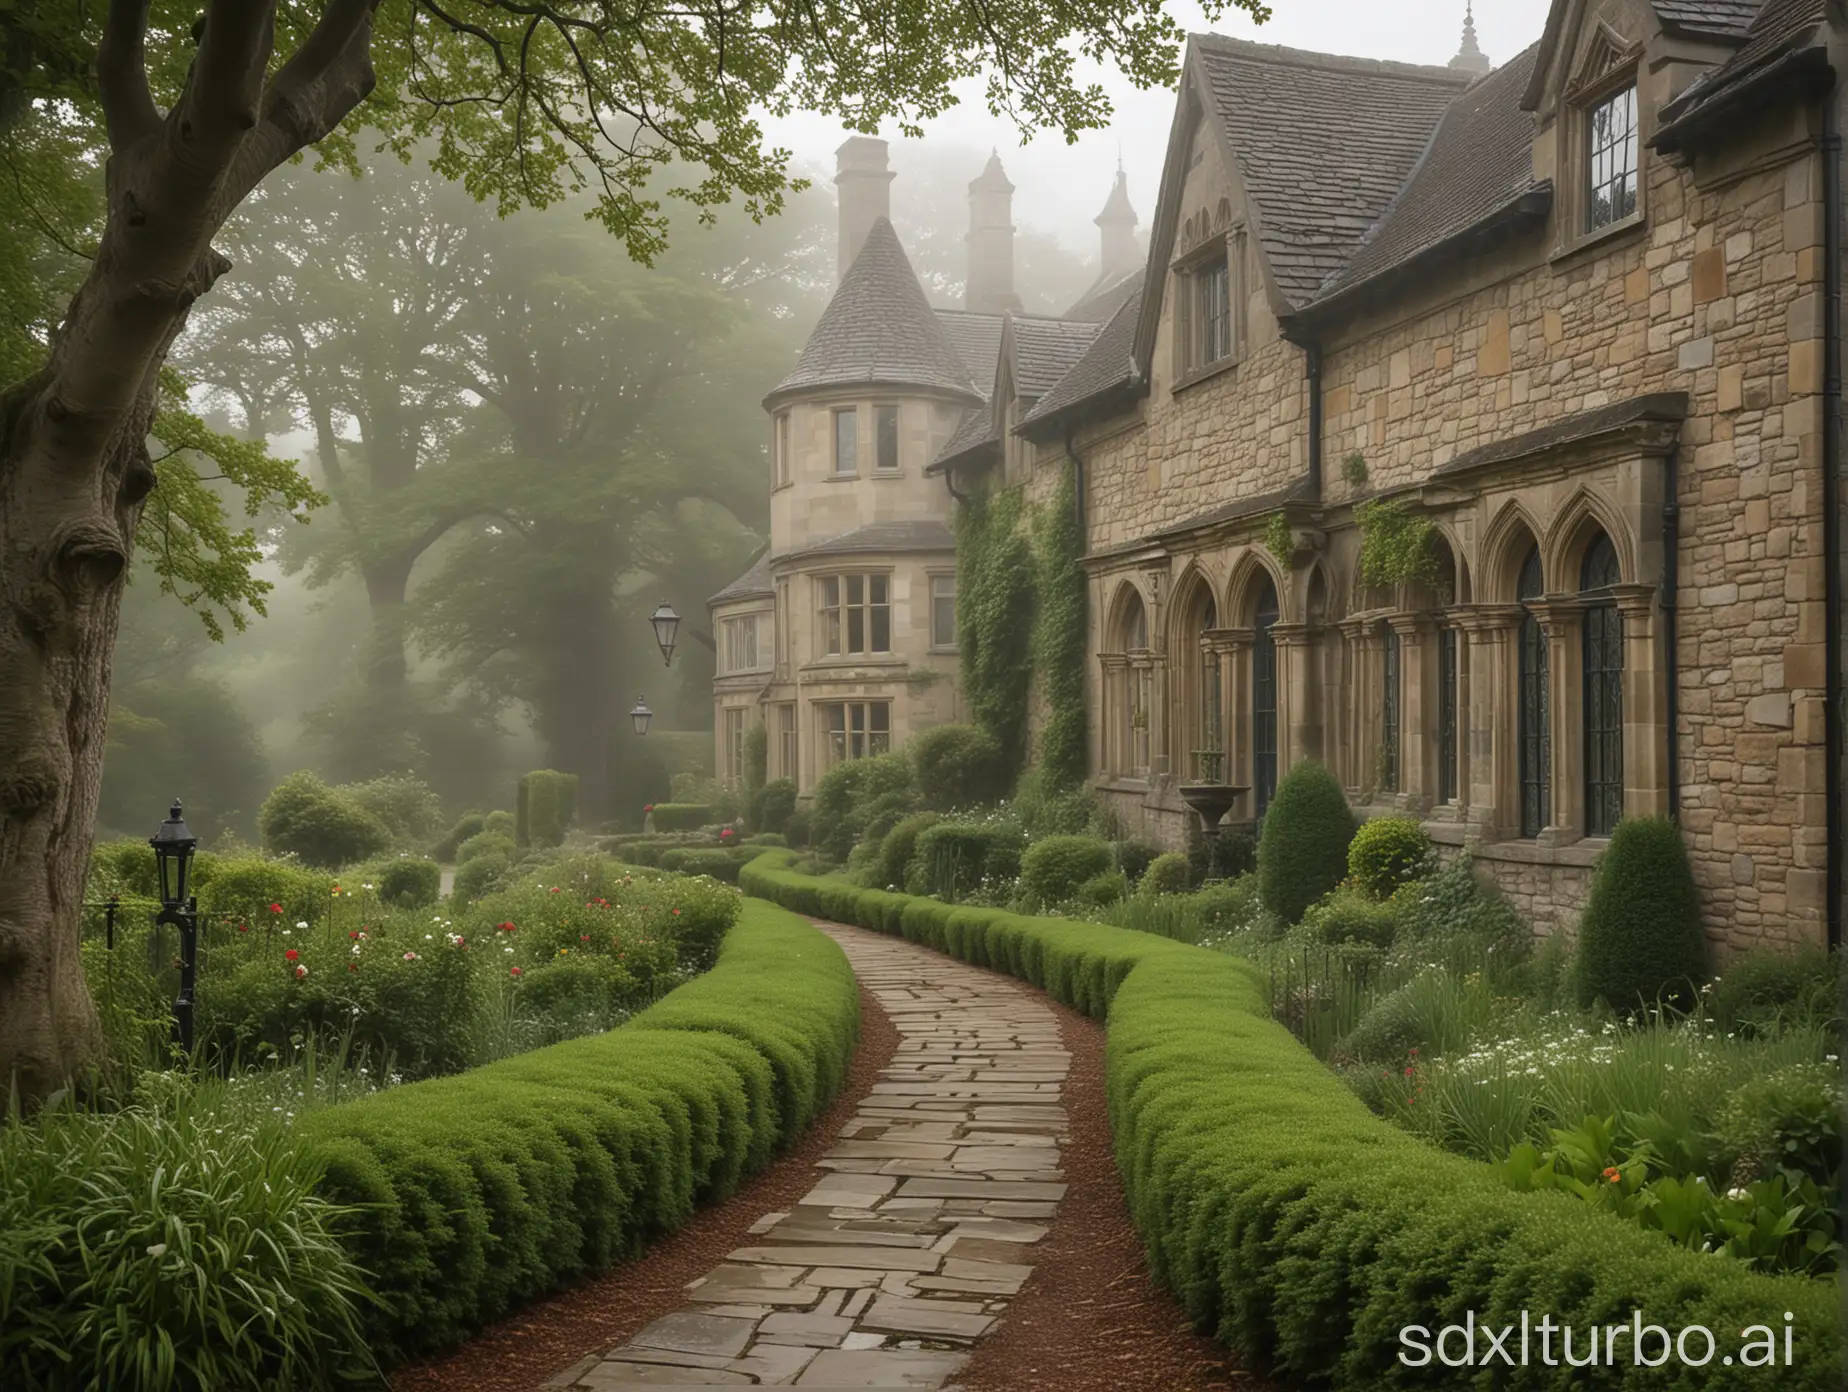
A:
74, 466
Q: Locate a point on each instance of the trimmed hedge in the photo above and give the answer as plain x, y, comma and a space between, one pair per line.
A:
1052, 869
478, 1192
681, 816
1302, 851
1639, 940
1295, 1225
546, 808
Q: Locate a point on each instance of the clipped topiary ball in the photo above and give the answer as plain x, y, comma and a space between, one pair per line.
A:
1386, 853
1640, 939
1167, 874
1302, 853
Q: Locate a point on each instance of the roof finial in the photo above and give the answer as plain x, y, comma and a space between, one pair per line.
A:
1470, 57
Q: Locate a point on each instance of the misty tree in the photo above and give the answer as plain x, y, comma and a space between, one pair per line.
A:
199, 110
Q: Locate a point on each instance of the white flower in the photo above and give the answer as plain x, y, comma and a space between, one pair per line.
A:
302, 924
427, 937
1738, 1194
159, 1249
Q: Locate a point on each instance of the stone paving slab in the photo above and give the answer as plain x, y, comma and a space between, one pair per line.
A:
924, 1217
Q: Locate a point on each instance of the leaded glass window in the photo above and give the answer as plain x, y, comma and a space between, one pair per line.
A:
1389, 715
1446, 714
1603, 639
1610, 165
1264, 700
1534, 735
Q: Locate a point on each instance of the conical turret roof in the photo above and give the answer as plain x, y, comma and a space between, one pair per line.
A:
1117, 208
879, 330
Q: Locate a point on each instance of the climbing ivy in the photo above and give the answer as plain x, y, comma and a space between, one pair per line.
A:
1278, 539
1395, 546
1059, 635
994, 614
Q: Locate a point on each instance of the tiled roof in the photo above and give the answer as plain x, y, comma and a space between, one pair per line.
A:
1106, 296
1479, 161
1240, 508
1045, 350
879, 329
1324, 143
1108, 363
1780, 29
755, 581
976, 429
924, 535
1583, 425
977, 341
1725, 18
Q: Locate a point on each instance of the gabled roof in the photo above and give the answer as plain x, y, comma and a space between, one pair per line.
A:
976, 433
1108, 365
976, 338
753, 583
1478, 165
1777, 42
1323, 143
1718, 18
1045, 350
1106, 296
879, 330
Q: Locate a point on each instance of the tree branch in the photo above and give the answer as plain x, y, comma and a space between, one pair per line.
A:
224, 90
122, 75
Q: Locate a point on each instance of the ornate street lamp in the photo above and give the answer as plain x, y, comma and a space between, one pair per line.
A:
174, 845
666, 624
640, 716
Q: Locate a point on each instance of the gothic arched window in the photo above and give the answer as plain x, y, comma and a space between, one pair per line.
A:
1603, 637
1264, 698
1533, 717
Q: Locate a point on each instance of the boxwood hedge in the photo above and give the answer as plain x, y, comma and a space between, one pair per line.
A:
1304, 1231
477, 1192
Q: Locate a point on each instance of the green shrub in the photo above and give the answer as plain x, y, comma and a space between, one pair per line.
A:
1051, 870
1046, 809
1640, 939
1790, 1122
1133, 858
953, 859
767, 838
839, 810
501, 824
1101, 891
481, 875
797, 828
899, 845
1388, 1032
721, 865
682, 816
1350, 916
407, 806
1388, 852
1302, 853
125, 868
403, 882
1770, 988
1168, 873
756, 759
474, 1194
1304, 1230
545, 809
1224, 907
486, 843
778, 806
958, 766
133, 1242
467, 825
246, 886
321, 825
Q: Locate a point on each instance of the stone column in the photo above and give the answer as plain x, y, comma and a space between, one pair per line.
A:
1299, 725
1490, 768
1648, 744
1112, 714
1234, 646
1156, 665
1350, 766
1562, 619
1417, 712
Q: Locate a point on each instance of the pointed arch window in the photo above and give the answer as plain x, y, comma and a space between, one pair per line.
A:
1391, 680
1128, 691
1264, 699
1603, 640
1200, 716
1533, 716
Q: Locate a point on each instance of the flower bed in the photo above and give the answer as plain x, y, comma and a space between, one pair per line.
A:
1304, 1231
475, 1193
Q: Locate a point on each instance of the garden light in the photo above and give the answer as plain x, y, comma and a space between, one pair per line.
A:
640, 716
666, 624
174, 845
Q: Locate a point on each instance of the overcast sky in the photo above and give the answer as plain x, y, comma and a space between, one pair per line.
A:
1061, 188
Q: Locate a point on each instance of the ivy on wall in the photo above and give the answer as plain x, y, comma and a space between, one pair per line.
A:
1059, 635
1279, 540
994, 614
1395, 546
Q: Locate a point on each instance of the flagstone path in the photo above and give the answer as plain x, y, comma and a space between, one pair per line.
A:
921, 1225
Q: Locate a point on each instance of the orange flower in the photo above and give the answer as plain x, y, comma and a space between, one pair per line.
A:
1612, 1173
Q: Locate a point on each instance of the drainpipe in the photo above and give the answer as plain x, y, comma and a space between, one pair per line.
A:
1312, 370
949, 482
1833, 714
1071, 453
1671, 653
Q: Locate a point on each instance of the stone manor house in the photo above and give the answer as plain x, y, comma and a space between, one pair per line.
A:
1578, 315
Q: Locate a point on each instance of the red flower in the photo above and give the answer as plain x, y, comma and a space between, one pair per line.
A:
275, 908
1612, 1173
556, 888
354, 935
513, 971
648, 807
352, 966
290, 955
1409, 1072
301, 971
583, 937
503, 928
676, 913
243, 927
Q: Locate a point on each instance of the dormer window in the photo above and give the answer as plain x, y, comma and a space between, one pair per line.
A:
1212, 287
1610, 159
1209, 288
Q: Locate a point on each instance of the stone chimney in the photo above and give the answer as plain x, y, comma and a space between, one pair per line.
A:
990, 286
1117, 226
865, 186
1470, 58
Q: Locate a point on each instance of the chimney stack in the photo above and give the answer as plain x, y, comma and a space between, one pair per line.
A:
1117, 224
865, 185
990, 286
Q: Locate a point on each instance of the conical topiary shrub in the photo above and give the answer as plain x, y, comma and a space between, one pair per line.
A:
1302, 853
1640, 941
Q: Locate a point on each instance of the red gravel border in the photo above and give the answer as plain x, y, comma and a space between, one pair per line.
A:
550, 1335
1091, 1318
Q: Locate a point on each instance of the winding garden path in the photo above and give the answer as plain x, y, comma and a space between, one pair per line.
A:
924, 1222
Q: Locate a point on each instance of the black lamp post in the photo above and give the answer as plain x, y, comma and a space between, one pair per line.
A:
174, 845
666, 624
640, 716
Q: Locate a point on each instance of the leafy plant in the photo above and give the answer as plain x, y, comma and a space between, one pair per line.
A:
1060, 636
1302, 850
324, 826
1388, 853
1168, 873
1279, 540
1052, 870
1640, 942
1395, 546
995, 584
1354, 469
958, 766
